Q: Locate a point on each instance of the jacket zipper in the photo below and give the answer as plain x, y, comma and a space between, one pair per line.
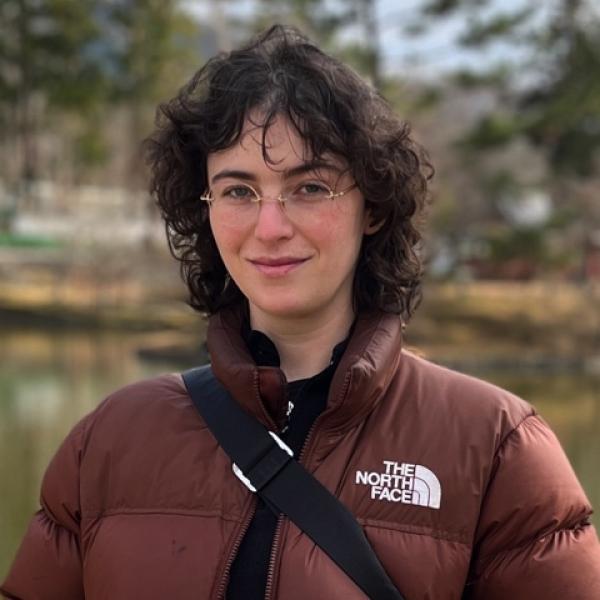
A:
244, 529
275, 546
276, 536
236, 546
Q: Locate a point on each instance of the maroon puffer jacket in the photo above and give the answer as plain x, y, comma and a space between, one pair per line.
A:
460, 487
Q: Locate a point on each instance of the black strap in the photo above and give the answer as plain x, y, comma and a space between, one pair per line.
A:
286, 486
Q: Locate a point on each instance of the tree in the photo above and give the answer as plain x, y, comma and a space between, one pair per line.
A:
70, 68
46, 62
152, 48
550, 98
347, 29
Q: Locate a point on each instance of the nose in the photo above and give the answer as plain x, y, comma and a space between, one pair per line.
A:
272, 222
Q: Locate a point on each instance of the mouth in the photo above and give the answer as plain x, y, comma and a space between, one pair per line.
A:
277, 267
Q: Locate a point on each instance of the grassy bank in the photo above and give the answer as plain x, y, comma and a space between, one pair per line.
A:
548, 324
543, 323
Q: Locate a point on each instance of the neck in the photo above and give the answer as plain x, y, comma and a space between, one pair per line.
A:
304, 344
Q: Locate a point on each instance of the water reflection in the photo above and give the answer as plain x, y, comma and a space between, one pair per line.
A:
49, 380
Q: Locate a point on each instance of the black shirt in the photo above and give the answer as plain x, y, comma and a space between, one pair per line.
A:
307, 399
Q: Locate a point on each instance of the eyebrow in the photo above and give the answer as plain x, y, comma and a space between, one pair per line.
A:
287, 173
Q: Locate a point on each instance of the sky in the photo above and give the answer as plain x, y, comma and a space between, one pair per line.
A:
428, 55
436, 52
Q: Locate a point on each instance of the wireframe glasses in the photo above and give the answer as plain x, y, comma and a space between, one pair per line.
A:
240, 202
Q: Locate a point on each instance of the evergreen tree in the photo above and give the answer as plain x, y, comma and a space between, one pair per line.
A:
46, 63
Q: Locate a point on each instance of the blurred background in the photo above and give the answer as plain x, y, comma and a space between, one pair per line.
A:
504, 94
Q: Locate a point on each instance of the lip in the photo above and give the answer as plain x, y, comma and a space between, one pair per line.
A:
277, 267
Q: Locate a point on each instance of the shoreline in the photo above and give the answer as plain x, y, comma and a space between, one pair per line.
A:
504, 326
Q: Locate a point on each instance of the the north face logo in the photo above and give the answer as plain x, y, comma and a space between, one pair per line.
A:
403, 482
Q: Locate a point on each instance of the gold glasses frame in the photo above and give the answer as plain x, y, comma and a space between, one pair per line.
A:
257, 199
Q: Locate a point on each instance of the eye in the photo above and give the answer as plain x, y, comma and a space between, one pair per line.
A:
313, 189
239, 192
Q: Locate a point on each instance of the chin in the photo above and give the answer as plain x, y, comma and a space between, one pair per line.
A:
292, 308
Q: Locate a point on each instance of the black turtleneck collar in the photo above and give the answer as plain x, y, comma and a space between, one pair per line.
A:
265, 353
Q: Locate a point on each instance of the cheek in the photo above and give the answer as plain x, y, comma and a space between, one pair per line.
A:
226, 238
339, 245
347, 233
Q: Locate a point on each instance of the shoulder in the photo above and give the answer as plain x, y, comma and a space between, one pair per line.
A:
460, 398
149, 388
157, 393
136, 411
137, 442
127, 418
528, 466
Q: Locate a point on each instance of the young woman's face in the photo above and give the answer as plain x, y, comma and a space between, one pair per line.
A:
288, 263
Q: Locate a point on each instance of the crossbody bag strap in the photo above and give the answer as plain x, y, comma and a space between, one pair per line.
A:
266, 466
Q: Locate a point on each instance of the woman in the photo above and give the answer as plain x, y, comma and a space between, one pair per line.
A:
291, 195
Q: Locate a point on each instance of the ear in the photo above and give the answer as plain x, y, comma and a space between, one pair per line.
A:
370, 226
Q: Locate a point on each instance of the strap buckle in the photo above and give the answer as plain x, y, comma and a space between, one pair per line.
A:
267, 467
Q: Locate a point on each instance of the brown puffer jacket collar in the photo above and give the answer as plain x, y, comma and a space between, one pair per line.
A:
363, 375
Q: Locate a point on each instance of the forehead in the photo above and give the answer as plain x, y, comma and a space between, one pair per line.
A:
279, 147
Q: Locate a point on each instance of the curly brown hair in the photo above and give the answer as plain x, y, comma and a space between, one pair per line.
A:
280, 72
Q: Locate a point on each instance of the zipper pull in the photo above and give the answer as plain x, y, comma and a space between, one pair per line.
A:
288, 412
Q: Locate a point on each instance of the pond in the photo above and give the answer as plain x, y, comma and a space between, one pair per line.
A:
48, 380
